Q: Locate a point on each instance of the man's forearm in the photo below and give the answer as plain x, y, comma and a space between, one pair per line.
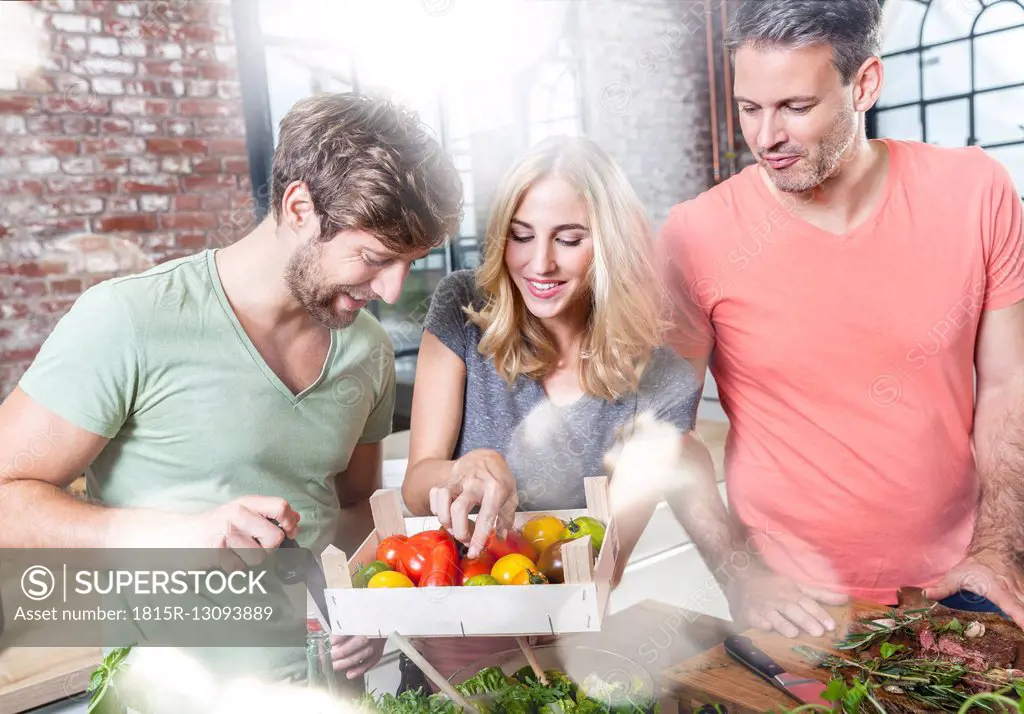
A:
720, 539
999, 449
40, 515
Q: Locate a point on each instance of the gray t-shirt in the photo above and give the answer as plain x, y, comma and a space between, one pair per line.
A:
549, 448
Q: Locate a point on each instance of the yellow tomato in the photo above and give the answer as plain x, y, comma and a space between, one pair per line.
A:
508, 567
542, 531
390, 579
526, 576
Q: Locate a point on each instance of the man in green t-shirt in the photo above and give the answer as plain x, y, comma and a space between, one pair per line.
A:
212, 393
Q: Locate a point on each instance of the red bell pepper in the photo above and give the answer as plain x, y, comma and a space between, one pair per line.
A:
387, 551
442, 566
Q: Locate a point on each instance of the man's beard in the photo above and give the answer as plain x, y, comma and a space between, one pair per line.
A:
303, 277
821, 166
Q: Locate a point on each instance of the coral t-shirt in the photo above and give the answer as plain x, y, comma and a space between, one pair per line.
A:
845, 362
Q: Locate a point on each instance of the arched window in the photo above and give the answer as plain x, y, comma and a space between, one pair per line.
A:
954, 76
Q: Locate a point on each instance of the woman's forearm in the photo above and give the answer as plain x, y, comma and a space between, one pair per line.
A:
420, 477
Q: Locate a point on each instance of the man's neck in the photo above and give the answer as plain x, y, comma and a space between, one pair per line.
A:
252, 274
850, 194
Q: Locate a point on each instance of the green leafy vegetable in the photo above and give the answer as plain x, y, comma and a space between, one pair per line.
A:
103, 679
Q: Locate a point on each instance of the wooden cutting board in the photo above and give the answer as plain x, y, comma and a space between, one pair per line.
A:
713, 677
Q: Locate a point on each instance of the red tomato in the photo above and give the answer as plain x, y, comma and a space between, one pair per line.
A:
387, 551
480, 565
442, 566
514, 543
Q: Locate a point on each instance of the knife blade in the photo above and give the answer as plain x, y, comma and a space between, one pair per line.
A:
803, 689
316, 584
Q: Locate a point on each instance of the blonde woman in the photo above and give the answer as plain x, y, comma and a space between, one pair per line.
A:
530, 365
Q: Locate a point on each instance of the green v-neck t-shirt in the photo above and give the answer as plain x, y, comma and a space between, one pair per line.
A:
158, 363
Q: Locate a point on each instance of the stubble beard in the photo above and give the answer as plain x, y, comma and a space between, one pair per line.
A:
304, 280
824, 164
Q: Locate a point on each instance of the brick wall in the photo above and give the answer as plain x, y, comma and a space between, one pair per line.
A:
124, 147
648, 94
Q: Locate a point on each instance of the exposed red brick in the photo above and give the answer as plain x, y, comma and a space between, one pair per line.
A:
142, 107
242, 200
217, 202
56, 307
200, 53
79, 125
236, 166
207, 108
114, 145
154, 184
25, 355
14, 104
66, 286
53, 227
33, 268
81, 184
188, 202
28, 288
177, 146
206, 166
113, 164
171, 221
39, 125
217, 71
147, 29
220, 127
139, 222
173, 68
22, 187
192, 241
116, 125
229, 147
207, 183
197, 33
76, 102
131, 128
34, 147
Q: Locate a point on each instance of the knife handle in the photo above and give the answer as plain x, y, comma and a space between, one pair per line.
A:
741, 648
290, 575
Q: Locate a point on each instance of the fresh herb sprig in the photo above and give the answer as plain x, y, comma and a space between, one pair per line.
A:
102, 679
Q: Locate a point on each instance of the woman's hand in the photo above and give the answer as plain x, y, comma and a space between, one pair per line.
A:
479, 478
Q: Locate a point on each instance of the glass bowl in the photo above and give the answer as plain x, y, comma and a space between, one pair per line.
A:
617, 683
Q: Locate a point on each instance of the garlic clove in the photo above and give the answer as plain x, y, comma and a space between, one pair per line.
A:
885, 623
893, 689
975, 629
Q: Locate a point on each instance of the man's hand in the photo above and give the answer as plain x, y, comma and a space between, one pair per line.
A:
242, 524
355, 655
769, 601
480, 478
990, 575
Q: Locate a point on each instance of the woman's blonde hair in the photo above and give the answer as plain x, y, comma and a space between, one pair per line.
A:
624, 324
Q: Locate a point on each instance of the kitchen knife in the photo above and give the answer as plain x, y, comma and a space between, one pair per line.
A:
803, 689
316, 583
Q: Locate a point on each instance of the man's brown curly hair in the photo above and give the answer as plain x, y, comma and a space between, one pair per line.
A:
370, 165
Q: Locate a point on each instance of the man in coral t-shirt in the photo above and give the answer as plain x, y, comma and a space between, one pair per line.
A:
844, 291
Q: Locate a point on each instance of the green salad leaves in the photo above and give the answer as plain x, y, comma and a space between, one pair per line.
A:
491, 691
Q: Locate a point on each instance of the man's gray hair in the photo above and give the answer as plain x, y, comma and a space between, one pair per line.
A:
851, 27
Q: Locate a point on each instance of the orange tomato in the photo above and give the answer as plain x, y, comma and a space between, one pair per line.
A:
526, 576
508, 567
542, 531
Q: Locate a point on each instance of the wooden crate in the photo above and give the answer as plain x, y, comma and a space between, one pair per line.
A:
578, 605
